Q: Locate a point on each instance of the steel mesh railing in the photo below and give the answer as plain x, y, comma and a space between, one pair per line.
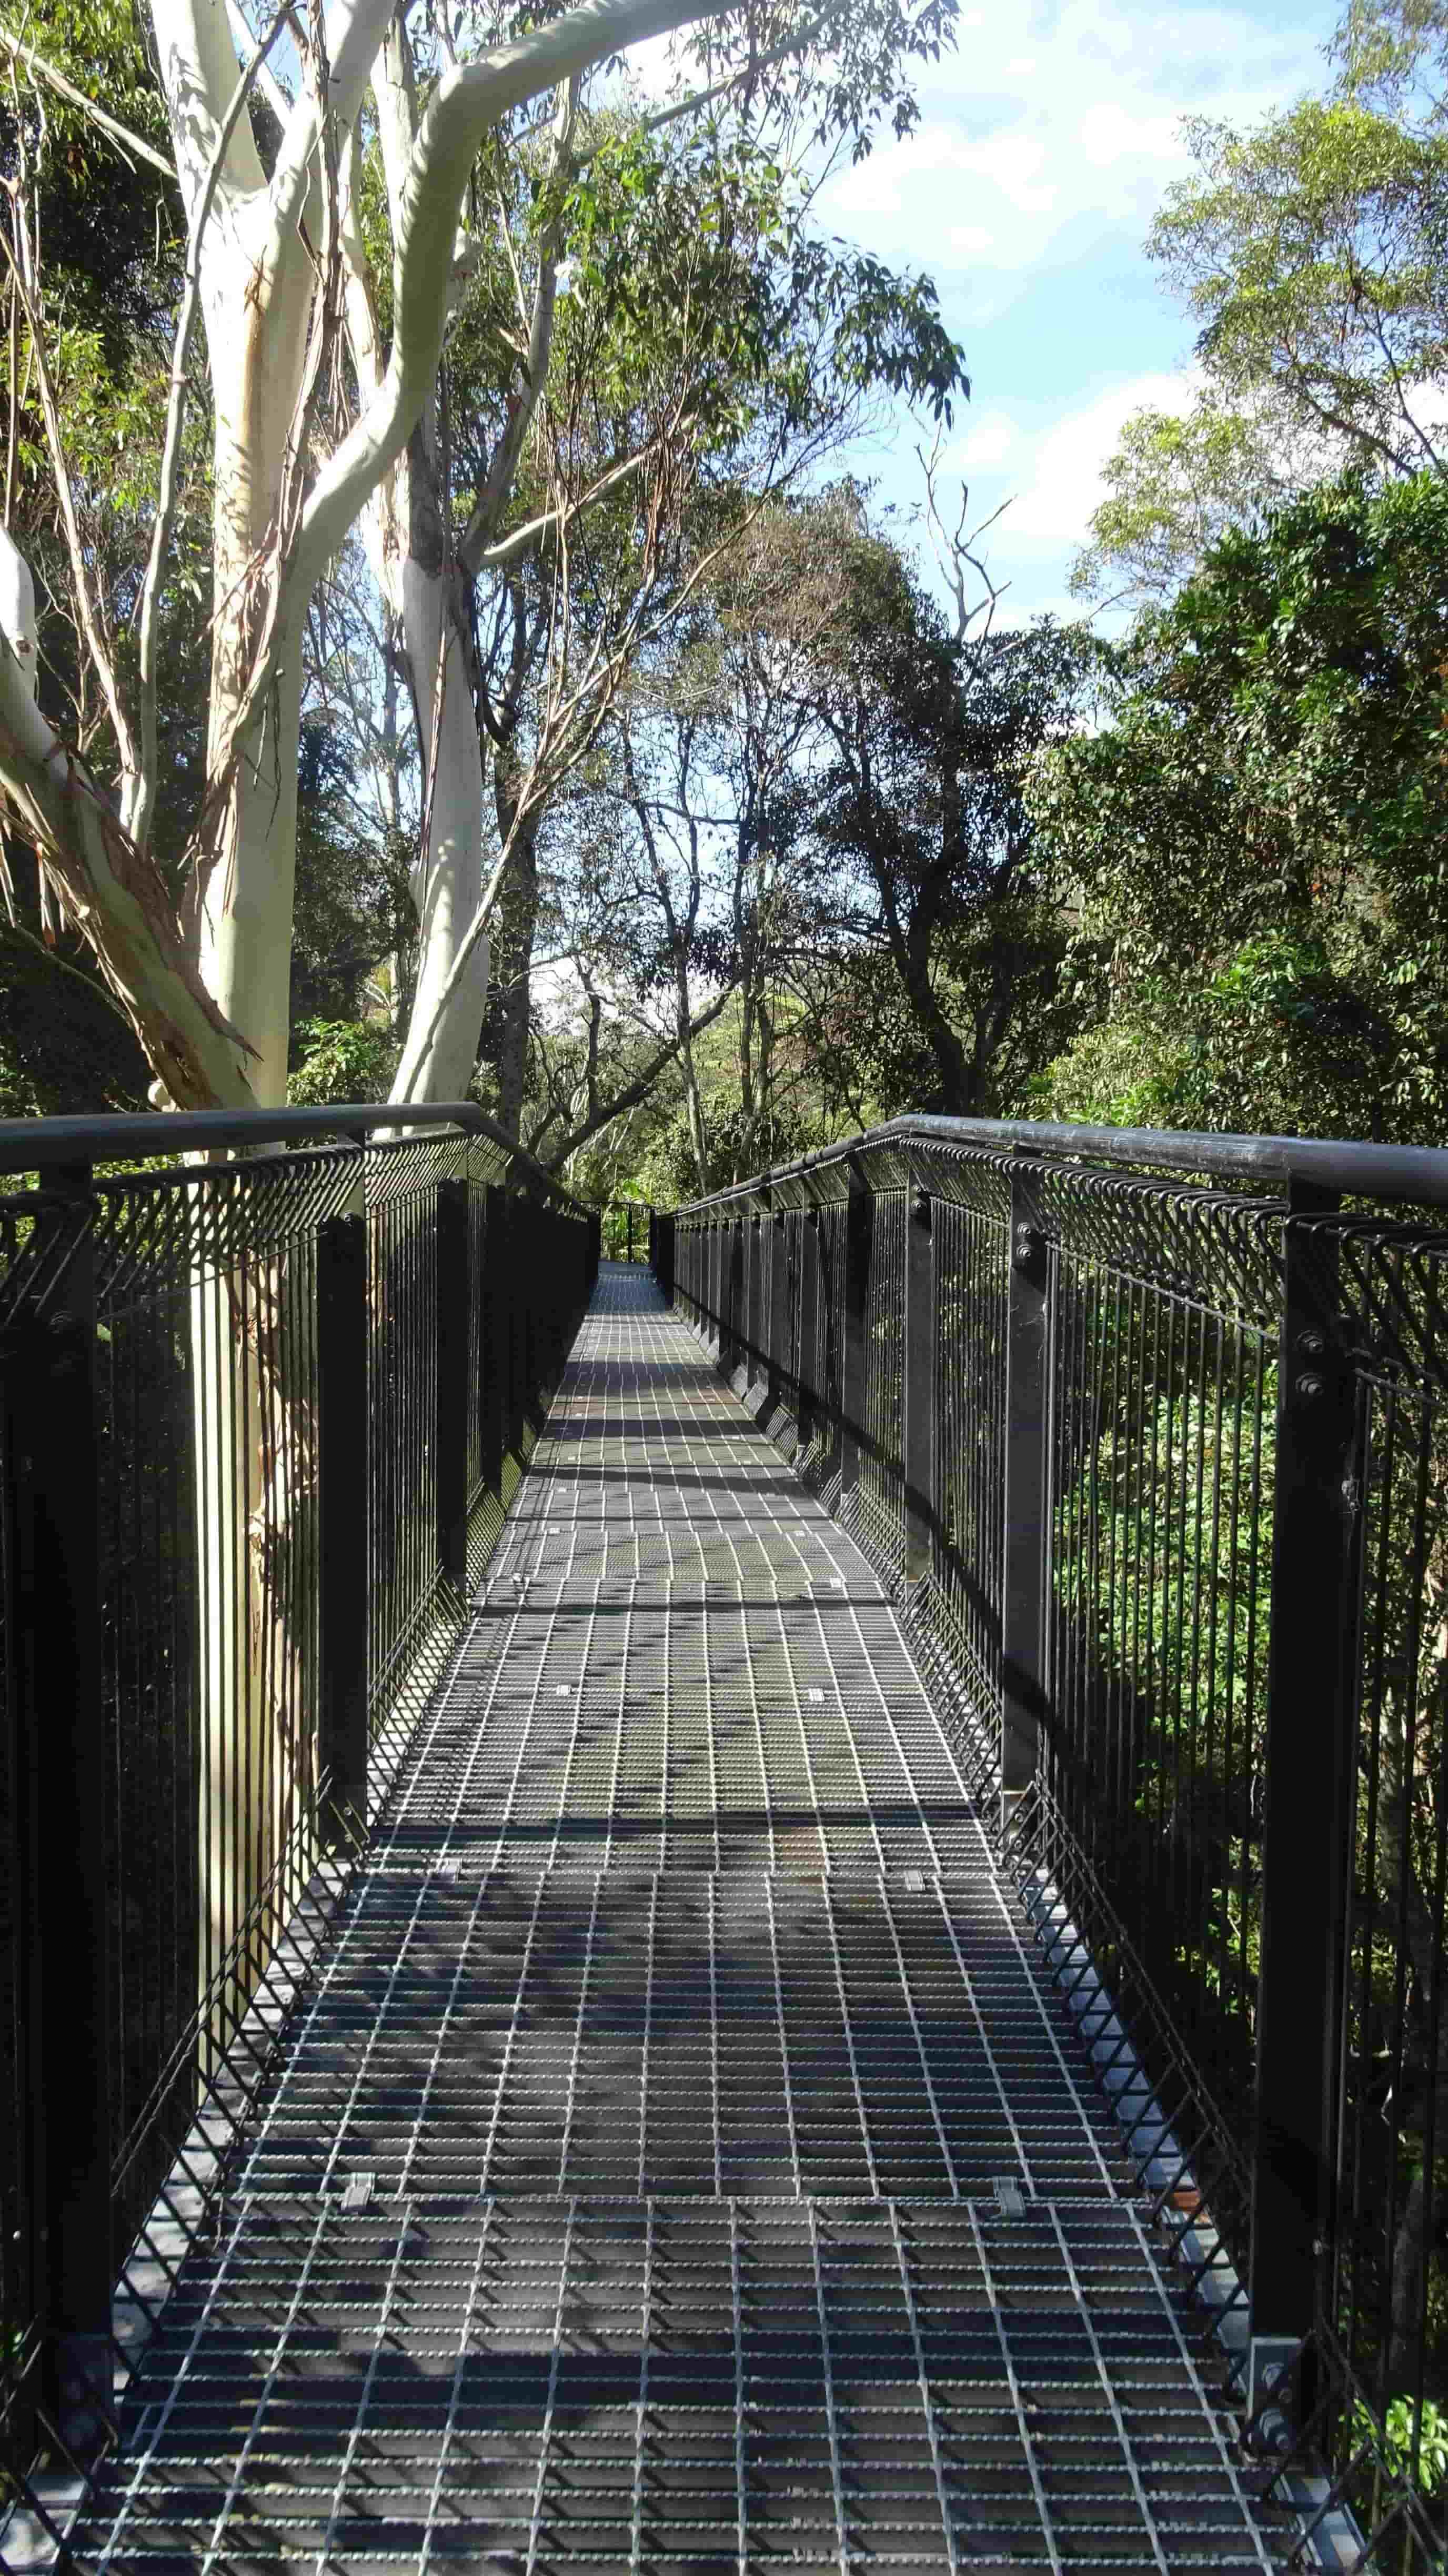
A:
257, 1418
1150, 1433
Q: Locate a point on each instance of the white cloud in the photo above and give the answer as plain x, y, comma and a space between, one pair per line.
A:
1058, 480
1108, 133
1014, 164
991, 438
1049, 471
1017, 150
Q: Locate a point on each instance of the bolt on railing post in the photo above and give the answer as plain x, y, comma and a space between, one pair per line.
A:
450, 1418
62, 1766
854, 1354
920, 1390
809, 1284
342, 1399
1308, 1782
1023, 1607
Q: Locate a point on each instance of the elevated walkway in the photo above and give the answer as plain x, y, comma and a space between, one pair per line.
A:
679, 2162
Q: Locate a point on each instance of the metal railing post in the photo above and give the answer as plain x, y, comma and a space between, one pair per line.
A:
665, 1256
731, 1330
854, 1354
809, 1284
505, 1306
517, 1322
450, 1453
1023, 1605
342, 1399
530, 1287
491, 1393
920, 1389
753, 1297
62, 1766
779, 1314
1308, 1782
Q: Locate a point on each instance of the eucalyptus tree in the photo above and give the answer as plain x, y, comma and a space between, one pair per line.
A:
316, 404
403, 191
1311, 253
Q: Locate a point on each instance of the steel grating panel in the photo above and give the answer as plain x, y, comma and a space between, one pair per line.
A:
672, 2385
681, 2033
629, 2191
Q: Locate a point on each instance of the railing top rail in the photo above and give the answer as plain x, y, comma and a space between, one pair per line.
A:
1417, 1174
40, 1144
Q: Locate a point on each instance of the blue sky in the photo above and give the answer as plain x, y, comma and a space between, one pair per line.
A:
1045, 144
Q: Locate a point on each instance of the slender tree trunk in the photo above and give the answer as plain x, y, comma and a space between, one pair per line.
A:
257, 315
693, 1099
520, 925
448, 880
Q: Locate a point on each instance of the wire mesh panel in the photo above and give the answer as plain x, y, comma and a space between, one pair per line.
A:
972, 1247
1162, 1396
479, 1357
882, 1483
403, 1571
168, 1670
763, 1328
1179, 1461
19, 2289
1389, 2296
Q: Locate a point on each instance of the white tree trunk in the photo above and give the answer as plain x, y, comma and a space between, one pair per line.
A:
448, 881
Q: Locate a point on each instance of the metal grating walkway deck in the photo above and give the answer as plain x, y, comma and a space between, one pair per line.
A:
685, 2036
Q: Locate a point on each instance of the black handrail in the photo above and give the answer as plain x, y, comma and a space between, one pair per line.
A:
41, 1144
1413, 1174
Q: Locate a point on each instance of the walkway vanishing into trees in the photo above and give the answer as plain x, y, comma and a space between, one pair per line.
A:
681, 2158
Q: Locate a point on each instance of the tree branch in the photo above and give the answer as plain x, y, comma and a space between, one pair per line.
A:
464, 107
140, 795
117, 899
120, 135
639, 1088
